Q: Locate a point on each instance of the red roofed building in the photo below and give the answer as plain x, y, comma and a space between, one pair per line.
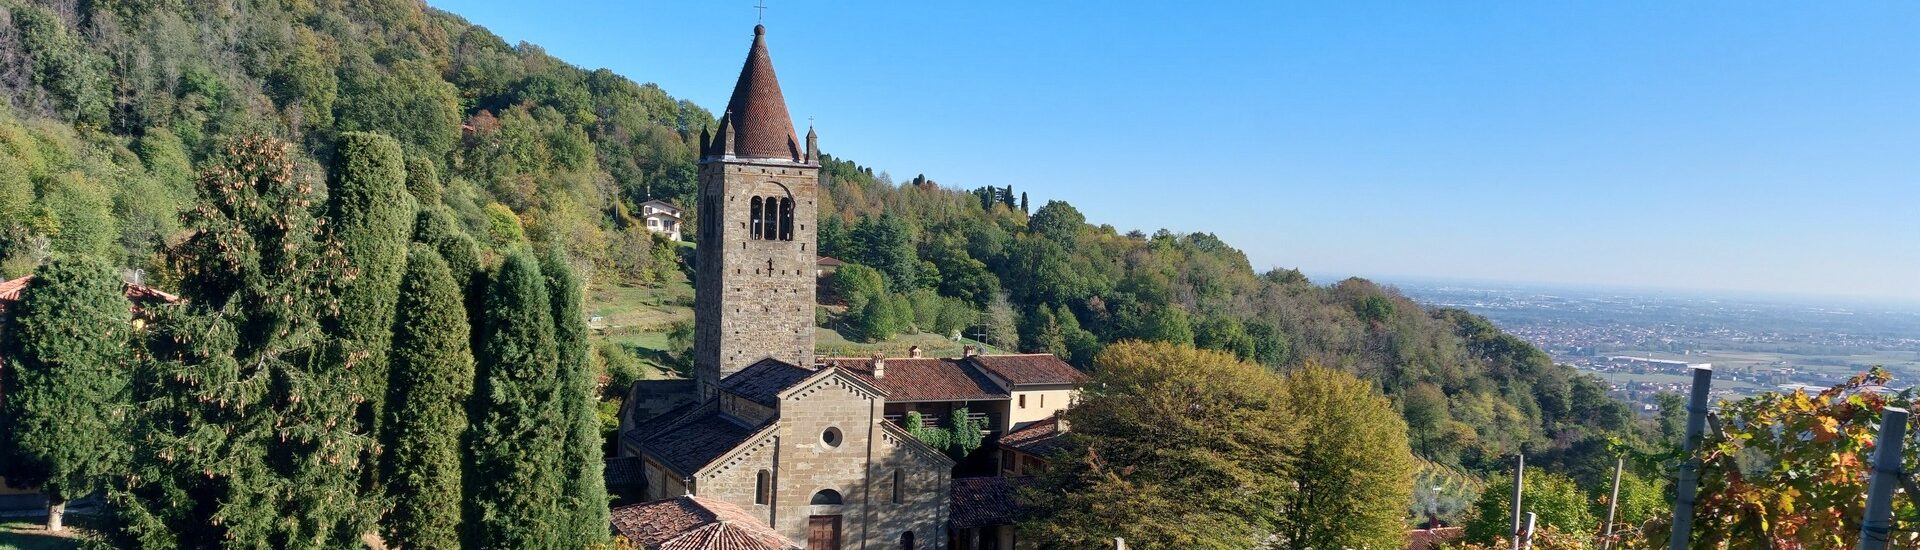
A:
695, 523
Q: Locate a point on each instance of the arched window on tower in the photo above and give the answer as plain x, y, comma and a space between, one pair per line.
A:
763, 487
768, 216
755, 232
786, 219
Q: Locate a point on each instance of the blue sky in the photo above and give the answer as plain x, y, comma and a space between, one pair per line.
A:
1746, 147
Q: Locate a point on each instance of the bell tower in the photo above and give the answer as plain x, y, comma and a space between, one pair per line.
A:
754, 285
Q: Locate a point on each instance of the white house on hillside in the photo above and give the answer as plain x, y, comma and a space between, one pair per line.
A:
662, 217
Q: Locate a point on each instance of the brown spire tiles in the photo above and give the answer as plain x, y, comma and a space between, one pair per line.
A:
758, 112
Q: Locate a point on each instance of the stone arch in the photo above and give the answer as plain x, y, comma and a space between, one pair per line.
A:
754, 230
825, 497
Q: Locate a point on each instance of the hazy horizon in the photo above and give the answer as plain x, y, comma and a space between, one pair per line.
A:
1719, 147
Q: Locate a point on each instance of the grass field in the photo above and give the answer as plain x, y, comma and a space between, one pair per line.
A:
639, 316
30, 534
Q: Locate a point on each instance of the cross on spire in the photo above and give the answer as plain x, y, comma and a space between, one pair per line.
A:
762, 6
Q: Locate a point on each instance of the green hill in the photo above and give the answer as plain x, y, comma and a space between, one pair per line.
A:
112, 107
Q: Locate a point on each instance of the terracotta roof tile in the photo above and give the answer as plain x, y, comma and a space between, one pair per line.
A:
925, 379
757, 112
986, 502
10, 291
695, 523
1042, 438
1032, 368
1431, 539
762, 382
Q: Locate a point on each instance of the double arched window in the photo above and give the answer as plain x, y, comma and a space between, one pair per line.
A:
772, 219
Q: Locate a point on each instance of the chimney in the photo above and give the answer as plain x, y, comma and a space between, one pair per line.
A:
967, 351
879, 365
913, 352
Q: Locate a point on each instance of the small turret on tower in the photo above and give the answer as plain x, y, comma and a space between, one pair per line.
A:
813, 146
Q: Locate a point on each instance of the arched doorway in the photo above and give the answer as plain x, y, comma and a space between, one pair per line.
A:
823, 530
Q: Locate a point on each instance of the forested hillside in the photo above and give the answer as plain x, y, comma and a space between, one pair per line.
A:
115, 106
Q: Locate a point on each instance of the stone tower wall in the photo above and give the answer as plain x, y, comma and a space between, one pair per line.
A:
753, 298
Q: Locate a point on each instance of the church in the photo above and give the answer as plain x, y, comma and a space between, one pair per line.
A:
770, 446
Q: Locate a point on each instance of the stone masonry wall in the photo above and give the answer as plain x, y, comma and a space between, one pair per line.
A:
753, 298
736, 481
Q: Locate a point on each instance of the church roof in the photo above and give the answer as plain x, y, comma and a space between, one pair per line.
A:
925, 379
690, 440
762, 382
624, 472
756, 116
1030, 369
695, 523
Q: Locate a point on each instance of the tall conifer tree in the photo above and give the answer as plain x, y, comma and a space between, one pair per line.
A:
66, 390
513, 481
243, 433
372, 217
584, 489
431, 379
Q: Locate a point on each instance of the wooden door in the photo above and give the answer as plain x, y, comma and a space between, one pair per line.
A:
823, 532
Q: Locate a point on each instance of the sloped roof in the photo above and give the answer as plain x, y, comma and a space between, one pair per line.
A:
1030, 368
688, 441
1432, 539
925, 379
829, 261
762, 382
695, 523
757, 112
11, 291
1041, 438
672, 206
986, 502
623, 472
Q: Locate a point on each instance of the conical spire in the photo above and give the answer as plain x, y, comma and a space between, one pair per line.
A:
757, 112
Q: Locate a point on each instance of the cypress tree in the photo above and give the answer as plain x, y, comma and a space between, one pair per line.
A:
372, 217
513, 484
431, 378
423, 181
239, 439
584, 488
436, 227
65, 403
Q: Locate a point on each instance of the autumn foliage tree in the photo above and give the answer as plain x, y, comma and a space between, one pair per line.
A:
1173, 447
1789, 470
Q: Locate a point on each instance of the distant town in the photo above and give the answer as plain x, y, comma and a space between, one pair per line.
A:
1643, 344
